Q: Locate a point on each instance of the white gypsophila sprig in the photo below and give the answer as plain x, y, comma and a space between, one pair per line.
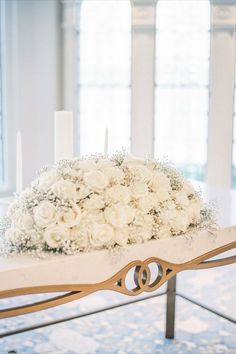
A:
43, 169
176, 178
118, 157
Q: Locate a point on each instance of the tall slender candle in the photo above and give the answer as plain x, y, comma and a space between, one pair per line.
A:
19, 164
106, 142
64, 135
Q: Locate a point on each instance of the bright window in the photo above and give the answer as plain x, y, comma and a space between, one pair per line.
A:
234, 145
104, 60
182, 84
234, 157
234, 123
1, 94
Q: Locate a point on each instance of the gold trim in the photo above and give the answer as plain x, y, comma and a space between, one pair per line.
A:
141, 276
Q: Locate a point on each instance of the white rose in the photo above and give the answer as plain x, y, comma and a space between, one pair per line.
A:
93, 216
64, 189
119, 215
143, 219
181, 222
181, 198
160, 181
147, 203
161, 185
45, 214
76, 174
131, 159
25, 222
194, 210
117, 193
14, 235
162, 195
101, 235
188, 187
105, 163
56, 236
96, 180
140, 172
94, 202
121, 236
139, 189
130, 213
69, 217
47, 179
114, 173
79, 234
140, 234
168, 213
85, 165
164, 232
82, 191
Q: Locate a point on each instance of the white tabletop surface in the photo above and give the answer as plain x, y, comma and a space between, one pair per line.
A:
23, 271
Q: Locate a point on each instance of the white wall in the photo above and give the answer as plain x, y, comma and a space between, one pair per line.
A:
222, 82
35, 80
35, 32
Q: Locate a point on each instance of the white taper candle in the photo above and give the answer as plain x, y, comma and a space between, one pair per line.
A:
19, 164
64, 135
106, 142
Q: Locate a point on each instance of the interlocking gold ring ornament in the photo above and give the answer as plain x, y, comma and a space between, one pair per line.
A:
142, 276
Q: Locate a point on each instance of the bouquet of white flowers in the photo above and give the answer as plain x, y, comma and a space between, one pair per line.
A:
79, 205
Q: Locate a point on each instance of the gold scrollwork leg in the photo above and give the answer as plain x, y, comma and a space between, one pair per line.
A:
141, 276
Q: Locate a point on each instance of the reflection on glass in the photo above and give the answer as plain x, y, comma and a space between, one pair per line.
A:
182, 79
104, 62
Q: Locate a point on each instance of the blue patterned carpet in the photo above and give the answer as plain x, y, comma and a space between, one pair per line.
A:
136, 328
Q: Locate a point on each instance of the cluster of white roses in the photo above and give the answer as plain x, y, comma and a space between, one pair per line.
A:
97, 202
